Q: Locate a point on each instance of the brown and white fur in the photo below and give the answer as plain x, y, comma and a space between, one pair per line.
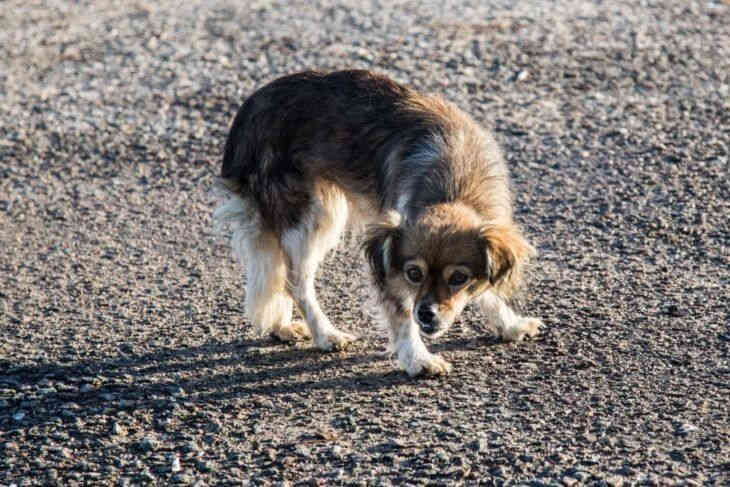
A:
310, 152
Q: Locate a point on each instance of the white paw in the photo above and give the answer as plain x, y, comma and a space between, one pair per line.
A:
333, 340
430, 365
525, 326
293, 332
421, 362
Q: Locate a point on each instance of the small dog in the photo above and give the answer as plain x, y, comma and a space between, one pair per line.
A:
311, 152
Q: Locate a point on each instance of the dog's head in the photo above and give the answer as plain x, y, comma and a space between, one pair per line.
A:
430, 268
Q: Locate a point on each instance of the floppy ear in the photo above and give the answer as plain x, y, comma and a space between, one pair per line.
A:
380, 241
506, 253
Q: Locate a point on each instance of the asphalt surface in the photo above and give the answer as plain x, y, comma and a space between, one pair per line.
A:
125, 358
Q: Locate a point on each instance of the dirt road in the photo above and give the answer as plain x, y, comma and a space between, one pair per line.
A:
124, 355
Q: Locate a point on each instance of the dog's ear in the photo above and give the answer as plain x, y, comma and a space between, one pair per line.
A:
506, 253
379, 246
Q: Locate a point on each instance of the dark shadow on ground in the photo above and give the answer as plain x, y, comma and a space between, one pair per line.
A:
128, 381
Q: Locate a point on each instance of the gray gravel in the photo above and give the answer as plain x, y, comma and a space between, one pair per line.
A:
124, 355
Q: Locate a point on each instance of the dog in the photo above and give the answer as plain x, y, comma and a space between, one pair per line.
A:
312, 153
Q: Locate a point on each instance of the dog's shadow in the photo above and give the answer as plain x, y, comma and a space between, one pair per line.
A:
215, 371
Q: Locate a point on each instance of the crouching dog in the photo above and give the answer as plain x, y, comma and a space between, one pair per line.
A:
310, 153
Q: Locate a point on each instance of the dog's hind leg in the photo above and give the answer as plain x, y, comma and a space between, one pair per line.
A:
305, 246
268, 303
510, 326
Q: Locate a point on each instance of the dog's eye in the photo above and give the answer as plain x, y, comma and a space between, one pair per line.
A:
457, 279
414, 274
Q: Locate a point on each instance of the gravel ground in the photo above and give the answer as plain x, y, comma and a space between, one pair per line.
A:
125, 358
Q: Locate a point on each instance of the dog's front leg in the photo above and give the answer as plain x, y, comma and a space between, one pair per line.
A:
510, 326
412, 353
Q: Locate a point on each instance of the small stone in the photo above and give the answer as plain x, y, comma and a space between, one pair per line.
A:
204, 466
686, 429
615, 481
442, 456
479, 445
568, 480
178, 392
18, 416
175, 463
182, 478
3, 404
148, 443
118, 429
581, 475
303, 451
526, 458
147, 475
190, 447
336, 452
11, 447
86, 388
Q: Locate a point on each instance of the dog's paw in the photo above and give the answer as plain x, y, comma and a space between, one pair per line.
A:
293, 332
525, 326
427, 364
334, 340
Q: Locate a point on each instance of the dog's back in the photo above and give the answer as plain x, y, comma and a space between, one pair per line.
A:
361, 131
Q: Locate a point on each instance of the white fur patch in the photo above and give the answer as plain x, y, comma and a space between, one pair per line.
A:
508, 324
267, 303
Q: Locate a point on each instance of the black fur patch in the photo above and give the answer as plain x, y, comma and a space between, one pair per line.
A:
346, 127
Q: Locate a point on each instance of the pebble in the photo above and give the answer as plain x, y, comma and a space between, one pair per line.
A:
303, 450
118, 429
148, 443
10, 447
687, 428
183, 478
568, 480
479, 445
174, 463
441, 455
147, 475
337, 452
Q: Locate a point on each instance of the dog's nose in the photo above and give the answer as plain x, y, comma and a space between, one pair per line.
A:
426, 318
